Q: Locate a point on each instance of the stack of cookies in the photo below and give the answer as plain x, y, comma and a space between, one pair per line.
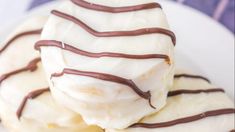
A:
104, 65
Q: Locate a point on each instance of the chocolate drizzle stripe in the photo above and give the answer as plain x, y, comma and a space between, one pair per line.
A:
103, 8
137, 32
192, 76
185, 119
31, 95
75, 50
32, 32
107, 77
32, 66
198, 91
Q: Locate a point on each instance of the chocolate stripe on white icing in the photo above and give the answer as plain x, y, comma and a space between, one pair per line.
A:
137, 32
108, 77
185, 119
26, 33
31, 95
93, 6
191, 76
75, 50
189, 118
198, 91
32, 66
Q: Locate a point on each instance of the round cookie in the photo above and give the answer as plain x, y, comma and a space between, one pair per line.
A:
26, 104
194, 105
110, 60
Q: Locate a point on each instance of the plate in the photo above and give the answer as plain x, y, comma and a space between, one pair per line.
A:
203, 45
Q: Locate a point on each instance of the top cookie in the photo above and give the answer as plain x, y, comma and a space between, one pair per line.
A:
111, 61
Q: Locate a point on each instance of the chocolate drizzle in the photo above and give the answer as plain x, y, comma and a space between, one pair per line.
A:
232, 130
32, 32
32, 66
97, 7
189, 118
198, 91
31, 95
75, 50
192, 76
185, 119
137, 32
108, 77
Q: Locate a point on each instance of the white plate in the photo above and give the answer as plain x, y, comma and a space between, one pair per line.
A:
202, 44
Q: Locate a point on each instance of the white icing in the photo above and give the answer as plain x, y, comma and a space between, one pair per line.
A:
188, 105
41, 114
108, 104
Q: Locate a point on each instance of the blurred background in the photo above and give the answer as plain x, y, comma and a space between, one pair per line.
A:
220, 10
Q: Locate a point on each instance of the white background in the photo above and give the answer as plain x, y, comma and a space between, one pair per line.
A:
11, 10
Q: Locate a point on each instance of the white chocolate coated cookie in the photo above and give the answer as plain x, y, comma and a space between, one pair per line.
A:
193, 105
109, 60
26, 104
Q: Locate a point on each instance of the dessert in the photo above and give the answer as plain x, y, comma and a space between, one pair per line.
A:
194, 105
105, 59
26, 104
104, 64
